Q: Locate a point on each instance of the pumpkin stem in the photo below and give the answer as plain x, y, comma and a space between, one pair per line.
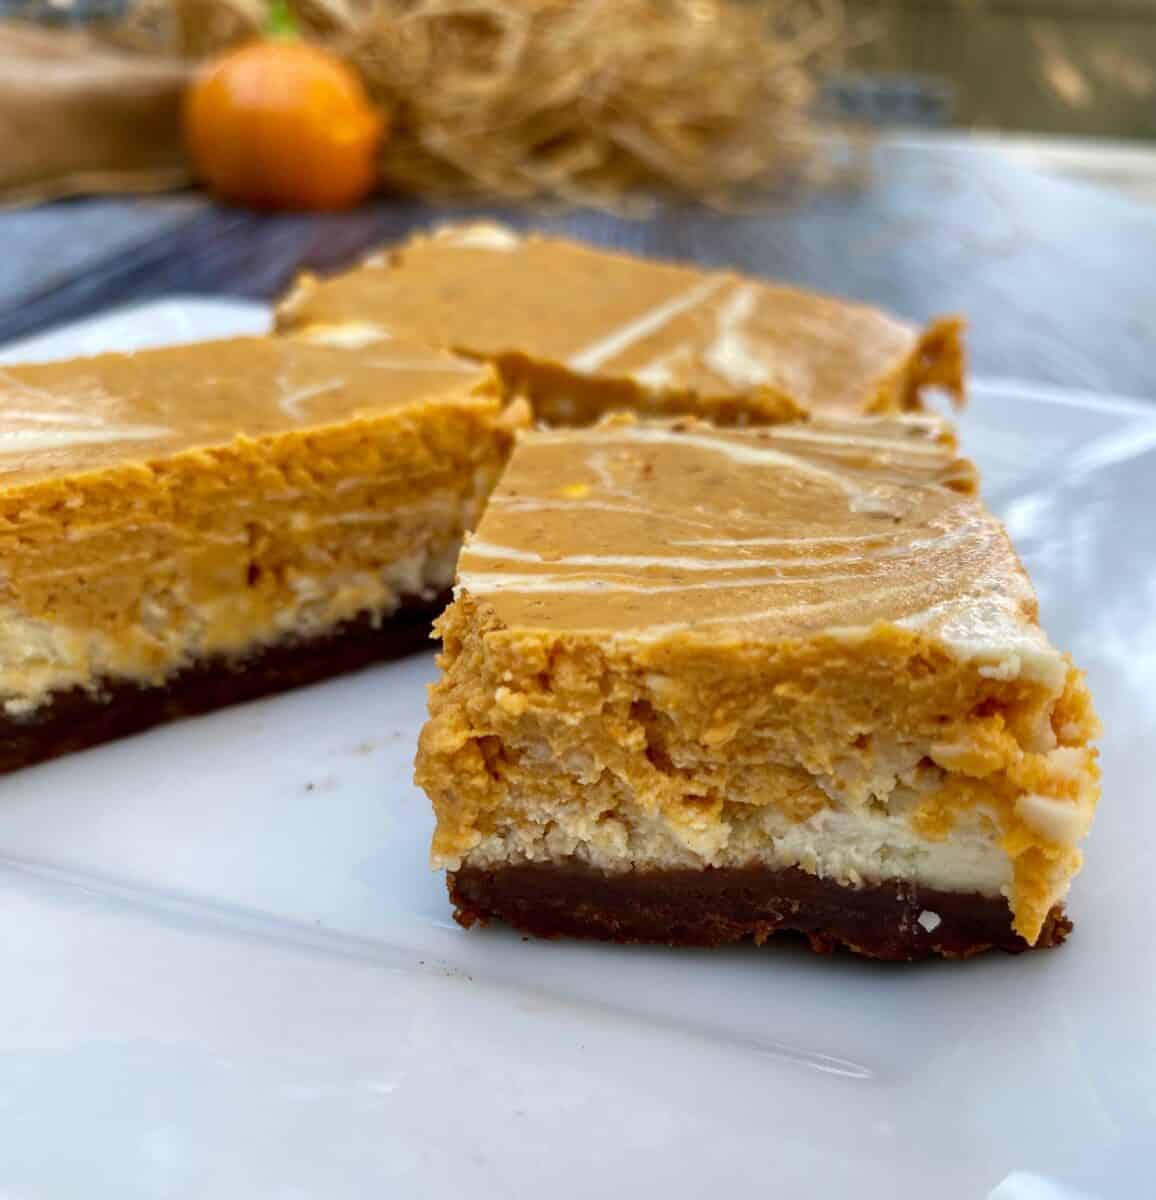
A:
282, 23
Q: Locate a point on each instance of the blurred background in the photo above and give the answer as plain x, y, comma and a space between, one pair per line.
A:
1069, 84
1066, 67
993, 157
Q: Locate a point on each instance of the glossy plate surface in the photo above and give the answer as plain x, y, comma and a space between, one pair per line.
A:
228, 972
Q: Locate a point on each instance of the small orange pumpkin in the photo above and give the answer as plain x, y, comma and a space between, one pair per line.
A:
283, 124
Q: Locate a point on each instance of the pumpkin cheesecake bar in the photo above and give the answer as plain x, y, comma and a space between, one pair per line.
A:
701, 685
187, 527
581, 331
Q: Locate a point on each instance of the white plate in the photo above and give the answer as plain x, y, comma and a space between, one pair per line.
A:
160, 323
227, 971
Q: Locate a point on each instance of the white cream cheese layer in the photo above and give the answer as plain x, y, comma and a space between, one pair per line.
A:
850, 846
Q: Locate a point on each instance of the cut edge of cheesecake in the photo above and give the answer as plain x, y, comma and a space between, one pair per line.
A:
905, 776
190, 527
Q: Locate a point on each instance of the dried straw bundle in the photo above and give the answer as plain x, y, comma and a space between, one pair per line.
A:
580, 100
584, 99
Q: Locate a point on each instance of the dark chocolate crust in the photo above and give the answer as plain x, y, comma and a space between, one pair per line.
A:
719, 905
78, 718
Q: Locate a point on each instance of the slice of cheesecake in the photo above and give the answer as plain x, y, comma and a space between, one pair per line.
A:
582, 331
186, 527
701, 685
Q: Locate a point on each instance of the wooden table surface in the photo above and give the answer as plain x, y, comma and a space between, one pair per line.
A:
1057, 279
